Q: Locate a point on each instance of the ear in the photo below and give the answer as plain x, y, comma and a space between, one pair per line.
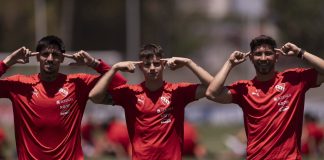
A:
277, 54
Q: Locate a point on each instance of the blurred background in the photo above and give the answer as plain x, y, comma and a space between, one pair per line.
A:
206, 31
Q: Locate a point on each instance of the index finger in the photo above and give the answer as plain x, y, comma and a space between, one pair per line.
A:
68, 55
164, 59
34, 53
137, 62
247, 54
279, 50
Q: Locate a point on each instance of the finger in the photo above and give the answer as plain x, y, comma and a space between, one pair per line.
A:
137, 62
33, 54
280, 51
164, 60
68, 55
247, 54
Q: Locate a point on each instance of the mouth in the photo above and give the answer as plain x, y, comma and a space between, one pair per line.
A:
152, 74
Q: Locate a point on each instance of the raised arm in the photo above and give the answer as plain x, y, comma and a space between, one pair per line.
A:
99, 92
21, 56
316, 62
204, 77
84, 58
216, 91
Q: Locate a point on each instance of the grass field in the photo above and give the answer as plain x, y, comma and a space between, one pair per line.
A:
213, 139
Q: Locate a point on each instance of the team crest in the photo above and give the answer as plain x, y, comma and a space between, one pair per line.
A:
165, 100
280, 87
64, 91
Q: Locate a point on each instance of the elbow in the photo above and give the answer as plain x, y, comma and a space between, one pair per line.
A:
94, 99
209, 94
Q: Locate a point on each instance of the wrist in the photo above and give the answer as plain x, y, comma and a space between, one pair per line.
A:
7, 62
94, 63
301, 53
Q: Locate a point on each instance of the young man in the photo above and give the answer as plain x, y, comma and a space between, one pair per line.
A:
272, 102
48, 106
154, 109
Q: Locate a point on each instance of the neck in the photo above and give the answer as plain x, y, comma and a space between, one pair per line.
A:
153, 85
48, 77
265, 77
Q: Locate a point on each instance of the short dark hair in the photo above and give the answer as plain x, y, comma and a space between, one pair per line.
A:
50, 41
262, 39
150, 50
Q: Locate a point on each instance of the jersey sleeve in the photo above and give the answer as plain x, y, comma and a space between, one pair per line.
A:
236, 89
9, 85
120, 94
187, 92
117, 80
308, 77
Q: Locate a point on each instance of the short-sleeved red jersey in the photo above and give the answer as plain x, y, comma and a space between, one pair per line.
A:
47, 115
190, 139
155, 119
117, 133
273, 113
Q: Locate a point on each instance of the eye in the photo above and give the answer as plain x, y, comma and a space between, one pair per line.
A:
147, 64
257, 53
157, 64
268, 53
45, 54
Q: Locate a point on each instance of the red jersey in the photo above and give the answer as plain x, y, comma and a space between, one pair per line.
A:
155, 119
2, 136
117, 133
313, 132
190, 139
273, 113
47, 115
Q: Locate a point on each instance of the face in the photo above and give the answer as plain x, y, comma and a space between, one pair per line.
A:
152, 68
50, 60
264, 59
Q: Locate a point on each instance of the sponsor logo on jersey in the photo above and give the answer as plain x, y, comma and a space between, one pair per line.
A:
283, 108
165, 114
64, 101
280, 87
282, 97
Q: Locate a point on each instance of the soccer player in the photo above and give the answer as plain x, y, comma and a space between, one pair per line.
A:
48, 106
272, 102
154, 109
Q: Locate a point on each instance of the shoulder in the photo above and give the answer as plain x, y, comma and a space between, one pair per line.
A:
131, 87
77, 76
242, 83
175, 86
25, 79
295, 70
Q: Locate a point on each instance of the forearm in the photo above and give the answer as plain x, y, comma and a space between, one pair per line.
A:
316, 62
217, 84
118, 79
99, 91
3, 68
204, 77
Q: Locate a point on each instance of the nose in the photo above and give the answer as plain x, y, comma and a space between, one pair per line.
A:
152, 67
50, 57
263, 57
